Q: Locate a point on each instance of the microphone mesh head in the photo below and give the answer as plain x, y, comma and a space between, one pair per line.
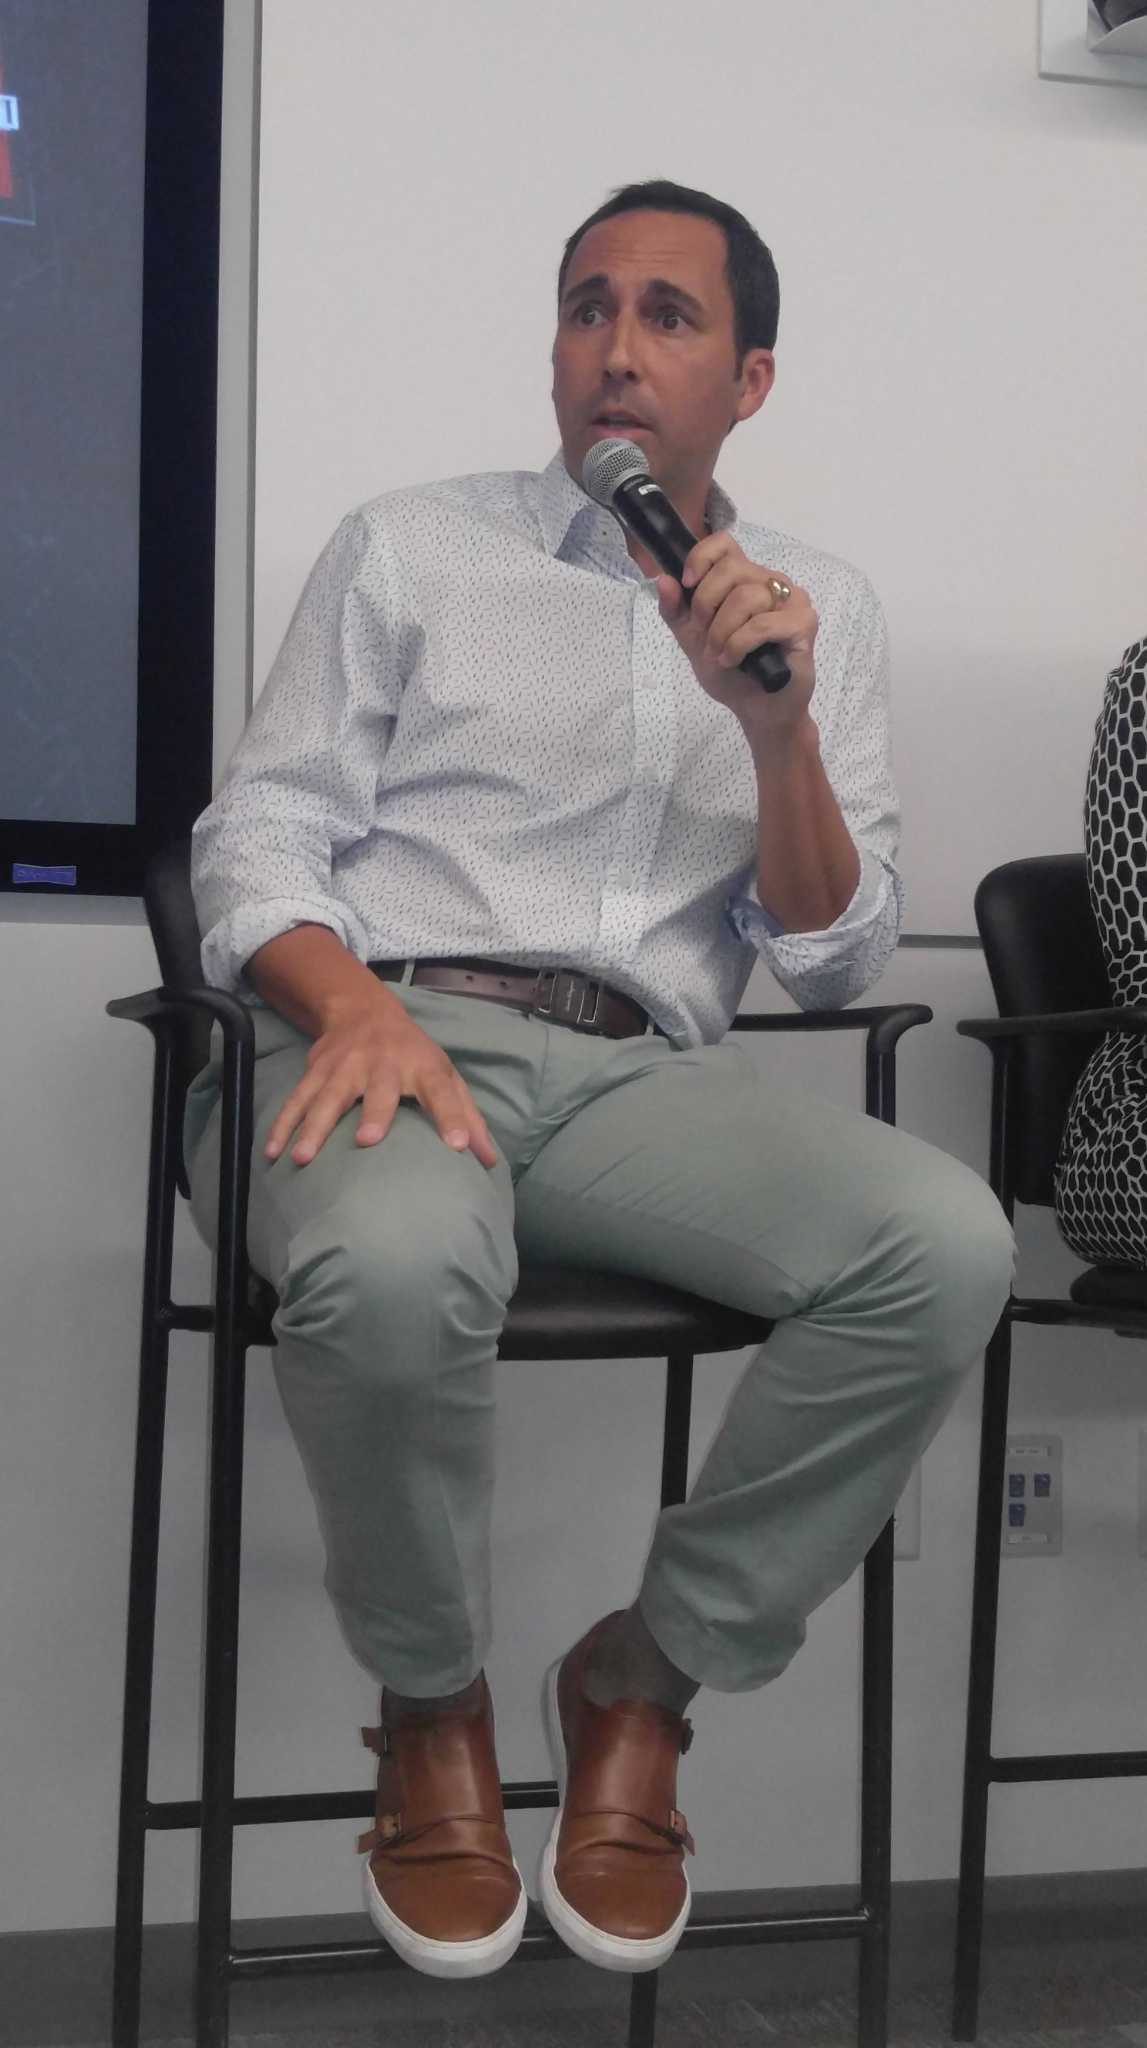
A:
608, 464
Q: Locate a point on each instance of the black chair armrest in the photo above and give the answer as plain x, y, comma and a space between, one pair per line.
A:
1032, 1084
1054, 1024
154, 1006
885, 1024
166, 1013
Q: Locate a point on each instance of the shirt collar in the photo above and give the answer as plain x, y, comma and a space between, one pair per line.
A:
561, 500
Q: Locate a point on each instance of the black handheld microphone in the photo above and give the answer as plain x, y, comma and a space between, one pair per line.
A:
616, 474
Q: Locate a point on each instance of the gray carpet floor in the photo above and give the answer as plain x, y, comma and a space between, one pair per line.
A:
920, 2021
736, 2024
1065, 1966
733, 2025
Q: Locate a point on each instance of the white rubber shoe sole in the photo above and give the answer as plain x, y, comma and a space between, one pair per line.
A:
445, 1958
593, 1944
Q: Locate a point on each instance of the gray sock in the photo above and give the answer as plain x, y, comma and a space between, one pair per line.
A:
399, 1706
627, 1663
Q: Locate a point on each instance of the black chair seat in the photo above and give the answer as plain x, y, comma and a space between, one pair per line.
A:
567, 1312
581, 1312
1113, 1287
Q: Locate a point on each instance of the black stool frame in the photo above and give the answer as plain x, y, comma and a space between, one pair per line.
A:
1041, 946
238, 1317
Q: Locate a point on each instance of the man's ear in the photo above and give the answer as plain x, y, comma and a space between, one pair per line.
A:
757, 376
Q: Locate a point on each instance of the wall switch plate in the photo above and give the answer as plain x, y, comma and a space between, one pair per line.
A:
1033, 1496
906, 1521
1075, 44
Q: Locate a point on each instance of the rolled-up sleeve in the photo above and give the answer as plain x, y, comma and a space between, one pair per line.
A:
827, 969
301, 786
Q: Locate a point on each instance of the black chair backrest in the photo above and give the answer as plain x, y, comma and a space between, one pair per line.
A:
1043, 953
175, 935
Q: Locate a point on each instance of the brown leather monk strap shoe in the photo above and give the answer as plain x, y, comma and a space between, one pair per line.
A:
439, 1879
613, 1875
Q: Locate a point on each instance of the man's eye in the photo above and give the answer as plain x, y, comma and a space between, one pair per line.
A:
586, 307
670, 313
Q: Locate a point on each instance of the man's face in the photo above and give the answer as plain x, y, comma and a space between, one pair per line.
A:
645, 348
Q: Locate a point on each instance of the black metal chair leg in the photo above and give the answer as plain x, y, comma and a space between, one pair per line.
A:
674, 1485
643, 2010
139, 1660
675, 1435
137, 1705
224, 1526
876, 1791
981, 1682
219, 1703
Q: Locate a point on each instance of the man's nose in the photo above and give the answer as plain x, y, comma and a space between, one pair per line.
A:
623, 347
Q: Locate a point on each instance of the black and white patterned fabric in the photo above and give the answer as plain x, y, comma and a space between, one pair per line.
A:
1101, 1174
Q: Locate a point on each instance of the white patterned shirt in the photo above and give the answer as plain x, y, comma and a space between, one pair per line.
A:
481, 739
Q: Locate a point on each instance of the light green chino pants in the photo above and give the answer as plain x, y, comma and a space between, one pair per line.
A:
885, 1261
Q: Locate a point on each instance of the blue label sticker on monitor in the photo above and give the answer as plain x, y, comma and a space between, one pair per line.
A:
32, 872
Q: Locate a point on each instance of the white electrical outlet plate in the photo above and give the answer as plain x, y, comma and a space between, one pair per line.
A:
1143, 1490
1074, 45
1032, 1523
906, 1522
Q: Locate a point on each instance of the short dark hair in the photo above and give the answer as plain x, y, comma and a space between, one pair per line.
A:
749, 266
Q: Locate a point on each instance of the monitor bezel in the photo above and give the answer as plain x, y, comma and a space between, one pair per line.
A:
177, 486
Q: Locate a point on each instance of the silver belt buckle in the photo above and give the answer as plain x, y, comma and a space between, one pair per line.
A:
566, 997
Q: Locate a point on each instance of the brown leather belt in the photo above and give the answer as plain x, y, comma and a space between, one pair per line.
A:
556, 994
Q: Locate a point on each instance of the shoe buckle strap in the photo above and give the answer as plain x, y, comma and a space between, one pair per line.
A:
676, 1832
391, 1832
386, 1832
679, 1831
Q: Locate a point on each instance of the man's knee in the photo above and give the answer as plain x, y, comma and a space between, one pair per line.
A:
393, 1303
956, 1254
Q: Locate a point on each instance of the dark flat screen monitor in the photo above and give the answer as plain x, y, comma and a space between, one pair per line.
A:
109, 270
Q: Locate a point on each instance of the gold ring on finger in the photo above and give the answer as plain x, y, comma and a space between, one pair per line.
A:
780, 589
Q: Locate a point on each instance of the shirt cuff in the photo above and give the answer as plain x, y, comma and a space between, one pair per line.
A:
753, 922
235, 939
826, 970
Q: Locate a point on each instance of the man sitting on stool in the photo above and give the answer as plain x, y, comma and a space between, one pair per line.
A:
501, 844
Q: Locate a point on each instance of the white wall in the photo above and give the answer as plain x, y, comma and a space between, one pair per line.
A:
959, 403
843, 151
